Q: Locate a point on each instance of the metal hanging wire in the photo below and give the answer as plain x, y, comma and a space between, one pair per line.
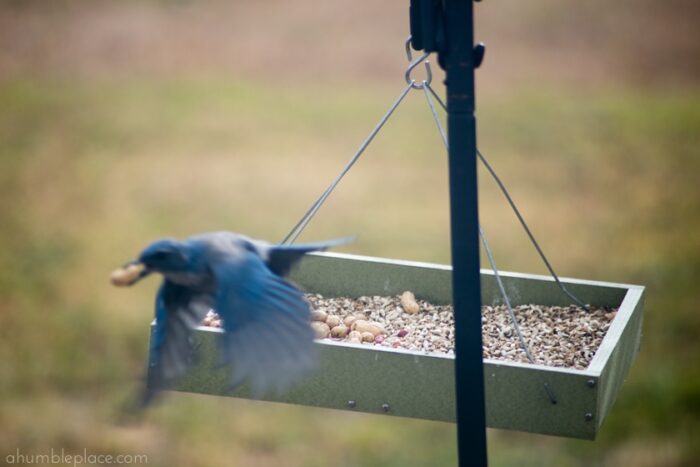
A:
511, 314
489, 255
411, 84
427, 88
487, 247
430, 93
311, 212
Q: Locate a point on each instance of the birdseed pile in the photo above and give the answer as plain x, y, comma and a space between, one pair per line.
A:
565, 336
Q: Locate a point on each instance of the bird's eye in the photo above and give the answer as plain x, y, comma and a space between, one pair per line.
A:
159, 255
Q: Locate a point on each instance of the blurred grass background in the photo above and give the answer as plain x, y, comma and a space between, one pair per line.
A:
125, 121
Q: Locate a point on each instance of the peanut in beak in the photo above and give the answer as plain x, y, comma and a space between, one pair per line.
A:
127, 275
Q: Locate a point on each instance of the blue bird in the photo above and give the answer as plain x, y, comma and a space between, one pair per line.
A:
267, 337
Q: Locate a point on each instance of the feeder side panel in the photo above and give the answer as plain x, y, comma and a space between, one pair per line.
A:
517, 400
523, 289
351, 377
625, 336
336, 275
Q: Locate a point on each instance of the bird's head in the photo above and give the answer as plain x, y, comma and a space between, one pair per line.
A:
164, 256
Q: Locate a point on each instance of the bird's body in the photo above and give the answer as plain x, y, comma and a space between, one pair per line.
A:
267, 339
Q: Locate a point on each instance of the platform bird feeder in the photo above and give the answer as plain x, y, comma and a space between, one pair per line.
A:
403, 383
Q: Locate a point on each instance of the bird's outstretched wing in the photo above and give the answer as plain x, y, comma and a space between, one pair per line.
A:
268, 339
173, 349
281, 258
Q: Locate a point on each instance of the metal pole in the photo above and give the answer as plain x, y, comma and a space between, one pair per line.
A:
459, 63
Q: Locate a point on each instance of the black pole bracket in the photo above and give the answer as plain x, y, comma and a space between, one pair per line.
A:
427, 21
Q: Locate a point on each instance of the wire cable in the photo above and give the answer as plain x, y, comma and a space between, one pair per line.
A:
487, 248
311, 212
489, 254
505, 192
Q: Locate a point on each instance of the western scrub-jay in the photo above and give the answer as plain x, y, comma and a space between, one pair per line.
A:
267, 337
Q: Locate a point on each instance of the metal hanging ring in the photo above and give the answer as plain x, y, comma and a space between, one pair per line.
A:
413, 64
407, 44
428, 71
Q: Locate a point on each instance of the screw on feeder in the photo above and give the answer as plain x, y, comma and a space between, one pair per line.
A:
590, 383
588, 417
385, 407
351, 404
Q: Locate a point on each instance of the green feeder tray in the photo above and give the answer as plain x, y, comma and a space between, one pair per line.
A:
404, 383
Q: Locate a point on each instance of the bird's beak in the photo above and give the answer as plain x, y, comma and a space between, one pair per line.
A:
129, 274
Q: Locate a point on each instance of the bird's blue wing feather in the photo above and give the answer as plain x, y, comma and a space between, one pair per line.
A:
173, 350
281, 258
268, 339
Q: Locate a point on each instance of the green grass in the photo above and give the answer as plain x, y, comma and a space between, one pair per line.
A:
90, 171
